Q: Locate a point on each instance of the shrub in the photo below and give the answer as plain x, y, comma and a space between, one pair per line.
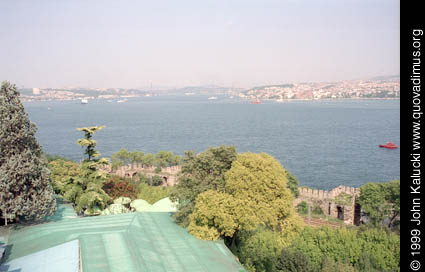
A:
156, 180
259, 249
143, 179
293, 262
302, 208
317, 210
348, 246
117, 187
152, 194
62, 172
329, 265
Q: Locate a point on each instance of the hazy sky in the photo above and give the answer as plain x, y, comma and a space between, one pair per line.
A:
131, 43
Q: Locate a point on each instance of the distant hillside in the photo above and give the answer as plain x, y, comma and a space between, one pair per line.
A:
393, 77
271, 86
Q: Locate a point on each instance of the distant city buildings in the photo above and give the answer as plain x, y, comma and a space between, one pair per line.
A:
354, 89
329, 90
77, 94
35, 91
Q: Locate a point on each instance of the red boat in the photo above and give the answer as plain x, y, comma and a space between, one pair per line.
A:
388, 145
257, 101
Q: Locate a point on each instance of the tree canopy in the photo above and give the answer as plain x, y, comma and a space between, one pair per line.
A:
349, 246
381, 201
200, 173
161, 159
255, 194
24, 177
86, 189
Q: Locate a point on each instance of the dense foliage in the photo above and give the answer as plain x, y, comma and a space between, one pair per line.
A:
62, 173
349, 246
51, 158
154, 180
302, 208
321, 250
381, 201
24, 177
85, 190
255, 194
292, 184
152, 194
292, 261
259, 250
200, 173
161, 159
116, 187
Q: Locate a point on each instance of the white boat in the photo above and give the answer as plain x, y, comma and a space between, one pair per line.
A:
84, 101
212, 98
122, 101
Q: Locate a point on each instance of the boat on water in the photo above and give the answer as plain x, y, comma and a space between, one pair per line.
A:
84, 101
212, 98
122, 101
256, 101
388, 145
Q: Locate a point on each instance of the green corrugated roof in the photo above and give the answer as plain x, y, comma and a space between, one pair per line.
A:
66, 256
141, 241
63, 212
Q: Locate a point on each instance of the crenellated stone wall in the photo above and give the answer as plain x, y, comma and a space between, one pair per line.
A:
328, 202
169, 174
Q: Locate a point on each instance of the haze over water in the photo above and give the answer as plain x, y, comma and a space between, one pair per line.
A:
324, 143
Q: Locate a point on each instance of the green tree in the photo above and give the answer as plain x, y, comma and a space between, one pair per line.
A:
148, 160
163, 158
86, 189
120, 158
381, 201
260, 249
166, 158
117, 187
200, 173
348, 246
293, 184
329, 265
292, 261
152, 194
302, 208
125, 157
255, 195
62, 173
88, 143
24, 177
382, 248
156, 180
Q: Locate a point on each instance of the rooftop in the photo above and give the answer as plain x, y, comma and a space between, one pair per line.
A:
141, 241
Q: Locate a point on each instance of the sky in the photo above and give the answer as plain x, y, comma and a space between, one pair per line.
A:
168, 43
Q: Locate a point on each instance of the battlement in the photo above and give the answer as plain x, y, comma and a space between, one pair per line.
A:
324, 195
326, 200
169, 174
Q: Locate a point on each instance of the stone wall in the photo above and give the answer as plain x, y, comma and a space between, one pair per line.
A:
169, 174
326, 200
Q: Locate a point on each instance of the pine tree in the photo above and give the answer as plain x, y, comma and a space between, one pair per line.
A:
85, 190
24, 177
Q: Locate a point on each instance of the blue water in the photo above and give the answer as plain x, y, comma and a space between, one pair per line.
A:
324, 143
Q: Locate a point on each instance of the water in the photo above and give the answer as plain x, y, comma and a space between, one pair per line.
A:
324, 143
